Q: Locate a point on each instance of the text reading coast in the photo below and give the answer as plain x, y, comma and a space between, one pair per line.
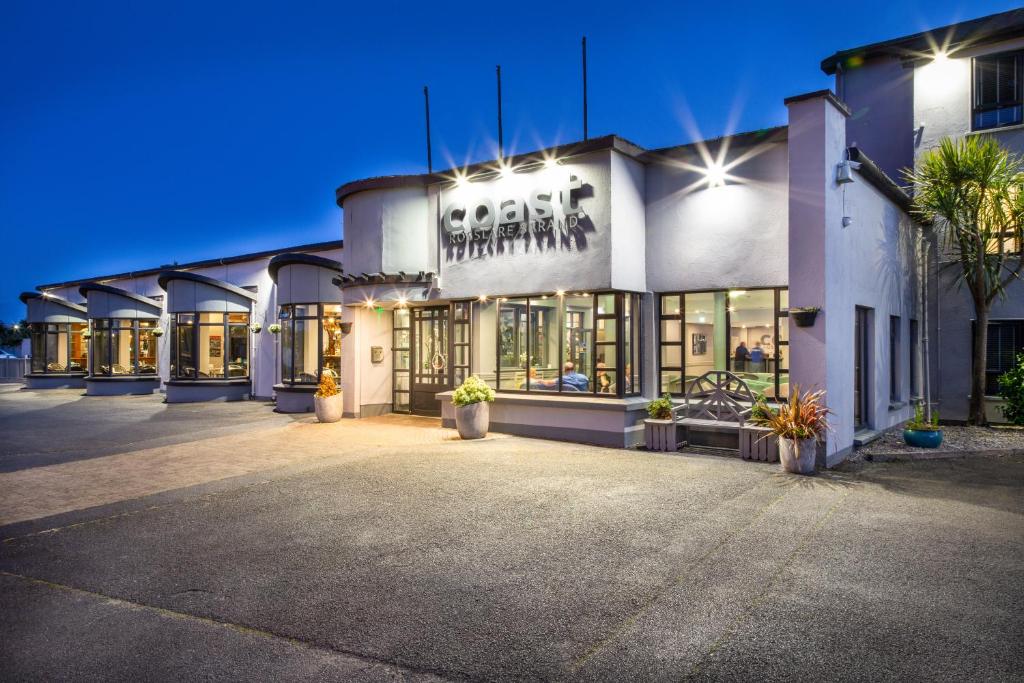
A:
482, 218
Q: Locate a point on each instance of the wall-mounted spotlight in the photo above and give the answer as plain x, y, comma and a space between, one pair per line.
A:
715, 174
844, 171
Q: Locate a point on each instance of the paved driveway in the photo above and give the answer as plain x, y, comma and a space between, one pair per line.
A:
403, 554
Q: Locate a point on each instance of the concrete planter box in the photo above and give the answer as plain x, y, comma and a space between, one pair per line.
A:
660, 435
798, 455
759, 444
329, 409
473, 420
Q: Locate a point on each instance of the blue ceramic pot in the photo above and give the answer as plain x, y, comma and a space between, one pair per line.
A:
923, 438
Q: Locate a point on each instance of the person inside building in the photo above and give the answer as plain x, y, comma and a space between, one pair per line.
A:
741, 357
757, 358
572, 380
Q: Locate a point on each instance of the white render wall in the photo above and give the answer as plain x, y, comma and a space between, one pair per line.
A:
736, 235
942, 99
836, 268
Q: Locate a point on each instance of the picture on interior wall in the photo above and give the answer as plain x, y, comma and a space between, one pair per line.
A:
700, 344
215, 346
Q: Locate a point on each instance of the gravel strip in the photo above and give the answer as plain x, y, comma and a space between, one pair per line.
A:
956, 440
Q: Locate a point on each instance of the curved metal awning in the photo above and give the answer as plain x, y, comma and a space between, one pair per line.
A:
168, 275
60, 301
97, 287
291, 259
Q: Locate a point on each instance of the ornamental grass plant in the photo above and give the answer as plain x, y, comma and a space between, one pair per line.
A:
803, 416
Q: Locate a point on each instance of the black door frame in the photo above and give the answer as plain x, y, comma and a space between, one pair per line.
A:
422, 399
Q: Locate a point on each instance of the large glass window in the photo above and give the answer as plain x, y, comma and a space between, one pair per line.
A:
58, 347
122, 346
743, 331
310, 342
206, 346
573, 344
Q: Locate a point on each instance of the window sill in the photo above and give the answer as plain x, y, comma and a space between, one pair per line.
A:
897, 405
122, 378
997, 129
37, 375
237, 381
296, 388
569, 400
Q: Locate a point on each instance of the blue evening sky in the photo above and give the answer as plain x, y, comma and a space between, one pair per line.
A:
138, 134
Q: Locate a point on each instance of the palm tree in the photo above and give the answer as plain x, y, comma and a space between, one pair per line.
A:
972, 191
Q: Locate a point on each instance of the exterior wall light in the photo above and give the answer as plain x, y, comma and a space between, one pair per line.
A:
550, 163
715, 175
482, 298
560, 293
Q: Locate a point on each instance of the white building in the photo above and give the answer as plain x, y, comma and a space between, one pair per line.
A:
584, 280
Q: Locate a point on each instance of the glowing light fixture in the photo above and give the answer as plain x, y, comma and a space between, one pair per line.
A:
402, 301
731, 309
560, 293
702, 319
506, 171
737, 293
550, 163
482, 298
715, 174
369, 303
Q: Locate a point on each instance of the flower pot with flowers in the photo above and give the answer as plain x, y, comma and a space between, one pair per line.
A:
327, 401
472, 408
800, 425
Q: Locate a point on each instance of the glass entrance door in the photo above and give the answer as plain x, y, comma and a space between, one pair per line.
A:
430, 363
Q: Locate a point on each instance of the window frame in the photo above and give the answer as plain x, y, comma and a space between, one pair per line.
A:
617, 316
977, 109
992, 376
288, 327
196, 325
895, 358
778, 314
51, 339
108, 329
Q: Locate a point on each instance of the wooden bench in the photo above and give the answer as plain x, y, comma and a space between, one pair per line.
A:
714, 413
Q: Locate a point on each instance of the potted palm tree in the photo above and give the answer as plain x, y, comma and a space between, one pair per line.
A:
472, 408
800, 425
327, 401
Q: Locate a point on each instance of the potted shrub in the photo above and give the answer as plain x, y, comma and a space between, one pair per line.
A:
158, 332
921, 432
274, 328
472, 408
800, 424
660, 429
256, 327
327, 401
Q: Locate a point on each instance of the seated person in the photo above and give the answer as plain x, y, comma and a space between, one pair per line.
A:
604, 384
538, 384
573, 379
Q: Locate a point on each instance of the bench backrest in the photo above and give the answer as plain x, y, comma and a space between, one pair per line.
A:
717, 395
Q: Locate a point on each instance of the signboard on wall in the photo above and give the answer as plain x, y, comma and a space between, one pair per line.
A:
548, 213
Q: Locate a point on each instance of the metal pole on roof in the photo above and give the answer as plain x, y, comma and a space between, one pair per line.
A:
584, 87
426, 104
501, 142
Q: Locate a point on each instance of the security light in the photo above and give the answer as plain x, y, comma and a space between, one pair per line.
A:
550, 163
715, 175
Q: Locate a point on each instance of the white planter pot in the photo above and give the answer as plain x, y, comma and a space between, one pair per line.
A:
328, 409
798, 455
473, 420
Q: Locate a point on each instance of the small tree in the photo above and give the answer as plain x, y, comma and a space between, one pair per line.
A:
11, 335
972, 190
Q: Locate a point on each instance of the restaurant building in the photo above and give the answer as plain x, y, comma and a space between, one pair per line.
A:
582, 281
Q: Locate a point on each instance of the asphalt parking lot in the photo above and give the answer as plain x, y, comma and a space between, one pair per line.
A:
405, 554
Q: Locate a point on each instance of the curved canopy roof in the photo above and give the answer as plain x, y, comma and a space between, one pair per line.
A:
294, 258
168, 275
97, 287
28, 296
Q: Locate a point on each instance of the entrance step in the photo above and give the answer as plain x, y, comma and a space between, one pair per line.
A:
862, 437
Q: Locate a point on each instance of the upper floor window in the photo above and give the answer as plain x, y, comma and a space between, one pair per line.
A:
997, 91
